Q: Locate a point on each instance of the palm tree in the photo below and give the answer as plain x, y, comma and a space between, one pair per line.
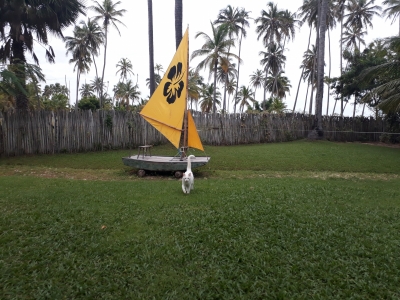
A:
124, 68
231, 90
361, 13
97, 85
107, 13
158, 68
272, 60
86, 90
278, 85
76, 45
276, 105
23, 22
271, 26
353, 37
152, 83
226, 71
126, 91
215, 49
178, 22
245, 97
94, 37
290, 24
236, 20
209, 98
257, 80
195, 84
339, 12
393, 10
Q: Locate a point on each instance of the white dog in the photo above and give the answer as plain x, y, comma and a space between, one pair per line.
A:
188, 178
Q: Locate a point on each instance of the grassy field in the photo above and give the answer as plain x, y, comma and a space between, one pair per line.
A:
295, 220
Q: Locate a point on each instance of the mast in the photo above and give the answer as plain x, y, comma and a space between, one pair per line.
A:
185, 118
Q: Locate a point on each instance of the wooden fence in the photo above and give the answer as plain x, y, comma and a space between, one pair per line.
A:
40, 132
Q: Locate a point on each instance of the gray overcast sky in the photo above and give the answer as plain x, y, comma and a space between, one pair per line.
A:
133, 44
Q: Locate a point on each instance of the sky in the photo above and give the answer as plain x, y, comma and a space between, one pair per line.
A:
132, 43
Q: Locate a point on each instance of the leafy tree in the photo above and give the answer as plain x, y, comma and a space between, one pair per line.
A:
56, 102
388, 75
276, 105
89, 102
23, 22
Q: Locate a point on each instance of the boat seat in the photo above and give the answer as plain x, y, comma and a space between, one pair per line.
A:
144, 149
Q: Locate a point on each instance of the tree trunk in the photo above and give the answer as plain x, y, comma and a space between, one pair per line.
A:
178, 22
305, 102
341, 63
215, 87
329, 76
77, 88
302, 72
151, 47
104, 68
226, 83
320, 67
18, 67
237, 79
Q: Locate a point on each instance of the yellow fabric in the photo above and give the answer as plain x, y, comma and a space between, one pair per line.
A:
165, 109
193, 136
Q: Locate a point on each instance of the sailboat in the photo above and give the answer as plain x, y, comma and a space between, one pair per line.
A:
167, 111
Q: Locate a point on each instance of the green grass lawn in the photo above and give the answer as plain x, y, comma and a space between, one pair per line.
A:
294, 220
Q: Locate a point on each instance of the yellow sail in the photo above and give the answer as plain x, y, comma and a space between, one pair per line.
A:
166, 107
193, 136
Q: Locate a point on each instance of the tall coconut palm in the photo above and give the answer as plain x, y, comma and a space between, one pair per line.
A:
94, 36
339, 12
81, 57
245, 97
124, 68
271, 25
273, 60
215, 50
23, 22
226, 71
108, 14
178, 22
361, 13
393, 10
236, 20
257, 80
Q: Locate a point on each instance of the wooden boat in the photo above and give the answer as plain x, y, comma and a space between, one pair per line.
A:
167, 111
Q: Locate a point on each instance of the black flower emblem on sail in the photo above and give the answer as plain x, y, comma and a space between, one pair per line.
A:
174, 86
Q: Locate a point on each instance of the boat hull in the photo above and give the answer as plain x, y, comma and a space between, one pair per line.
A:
162, 163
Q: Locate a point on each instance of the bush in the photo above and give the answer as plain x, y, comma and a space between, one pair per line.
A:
90, 102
